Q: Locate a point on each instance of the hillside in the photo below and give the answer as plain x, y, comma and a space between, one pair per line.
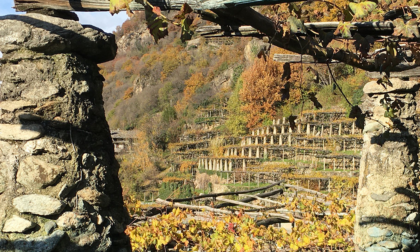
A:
161, 90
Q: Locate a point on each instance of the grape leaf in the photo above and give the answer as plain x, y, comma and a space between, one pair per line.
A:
186, 17
116, 5
362, 10
343, 28
363, 44
157, 24
296, 25
325, 37
408, 30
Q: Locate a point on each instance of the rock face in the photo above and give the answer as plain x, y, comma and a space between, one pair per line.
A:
386, 210
57, 166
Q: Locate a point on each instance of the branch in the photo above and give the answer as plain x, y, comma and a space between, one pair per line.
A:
304, 45
213, 195
249, 199
298, 188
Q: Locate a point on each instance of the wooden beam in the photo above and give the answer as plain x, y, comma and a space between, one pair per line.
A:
103, 5
415, 72
296, 58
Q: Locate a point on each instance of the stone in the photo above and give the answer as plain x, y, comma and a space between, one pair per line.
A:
21, 132
94, 197
378, 232
17, 225
49, 227
39, 244
412, 217
38, 204
70, 220
377, 249
88, 160
389, 244
411, 236
382, 197
397, 85
66, 189
36, 173
42, 145
15, 105
54, 35
406, 206
29, 117
2, 182
409, 242
88, 239
39, 92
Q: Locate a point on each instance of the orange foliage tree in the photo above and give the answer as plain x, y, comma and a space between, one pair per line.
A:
261, 90
195, 81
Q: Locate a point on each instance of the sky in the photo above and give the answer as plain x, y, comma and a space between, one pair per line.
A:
103, 20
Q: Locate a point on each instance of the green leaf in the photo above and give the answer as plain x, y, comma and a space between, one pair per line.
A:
363, 44
362, 10
116, 5
186, 17
408, 30
157, 24
296, 25
343, 28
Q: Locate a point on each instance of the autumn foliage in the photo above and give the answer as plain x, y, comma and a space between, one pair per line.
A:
261, 90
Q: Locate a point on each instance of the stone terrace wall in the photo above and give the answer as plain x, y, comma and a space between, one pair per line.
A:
59, 187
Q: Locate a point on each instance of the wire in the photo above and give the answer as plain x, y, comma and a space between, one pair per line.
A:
339, 88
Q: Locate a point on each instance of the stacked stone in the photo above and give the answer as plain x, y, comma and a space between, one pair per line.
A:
59, 187
387, 212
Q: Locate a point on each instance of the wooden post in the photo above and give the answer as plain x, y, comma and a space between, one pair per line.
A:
290, 139
243, 164
226, 165
274, 130
334, 163
258, 179
299, 128
250, 152
308, 129
329, 185
331, 129
253, 132
257, 155
280, 139
230, 165
272, 139
256, 140
322, 129
265, 152
324, 163
339, 129
243, 152
353, 128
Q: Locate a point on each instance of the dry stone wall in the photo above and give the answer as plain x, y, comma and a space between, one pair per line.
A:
387, 213
59, 187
